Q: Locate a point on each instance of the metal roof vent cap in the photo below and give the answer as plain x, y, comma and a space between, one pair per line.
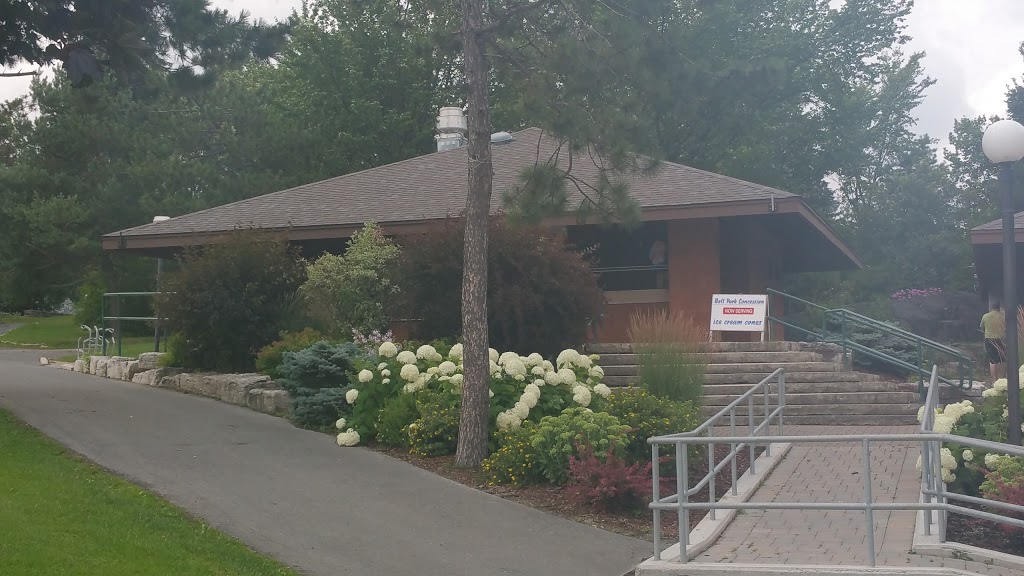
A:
451, 120
501, 138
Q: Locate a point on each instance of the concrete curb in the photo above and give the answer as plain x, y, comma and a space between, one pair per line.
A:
707, 530
663, 568
931, 546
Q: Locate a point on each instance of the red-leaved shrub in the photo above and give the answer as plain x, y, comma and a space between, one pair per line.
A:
607, 481
1002, 486
541, 294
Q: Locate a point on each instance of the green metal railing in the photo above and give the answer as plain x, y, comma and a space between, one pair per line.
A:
839, 326
118, 318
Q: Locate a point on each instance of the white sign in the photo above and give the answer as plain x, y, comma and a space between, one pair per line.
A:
738, 312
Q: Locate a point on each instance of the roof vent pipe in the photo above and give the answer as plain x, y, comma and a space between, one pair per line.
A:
451, 128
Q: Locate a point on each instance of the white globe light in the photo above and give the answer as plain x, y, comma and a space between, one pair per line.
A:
1004, 141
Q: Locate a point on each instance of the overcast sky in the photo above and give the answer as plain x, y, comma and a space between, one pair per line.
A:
970, 45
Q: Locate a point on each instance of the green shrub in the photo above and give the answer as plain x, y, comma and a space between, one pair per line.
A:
357, 291
320, 408
226, 300
436, 431
670, 354
322, 365
513, 463
559, 437
317, 378
269, 359
398, 412
174, 355
648, 416
541, 295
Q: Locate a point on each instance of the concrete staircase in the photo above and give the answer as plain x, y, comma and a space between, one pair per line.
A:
819, 389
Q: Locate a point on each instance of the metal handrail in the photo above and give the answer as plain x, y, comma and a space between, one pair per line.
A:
933, 495
965, 372
117, 319
683, 439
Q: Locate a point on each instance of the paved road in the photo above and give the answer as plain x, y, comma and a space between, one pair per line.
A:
293, 494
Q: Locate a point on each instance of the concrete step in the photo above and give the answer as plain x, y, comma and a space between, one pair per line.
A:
755, 377
626, 375
826, 400
625, 348
735, 390
747, 367
762, 357
906, 409
848, 420
619, 381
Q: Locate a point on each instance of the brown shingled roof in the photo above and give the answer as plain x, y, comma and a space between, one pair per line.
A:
434, 186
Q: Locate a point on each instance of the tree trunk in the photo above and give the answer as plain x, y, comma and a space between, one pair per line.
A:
472, 448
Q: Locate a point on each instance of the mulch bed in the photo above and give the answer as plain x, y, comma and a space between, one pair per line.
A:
556, 499
983, 534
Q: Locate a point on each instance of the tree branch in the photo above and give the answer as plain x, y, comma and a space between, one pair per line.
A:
520, 10
19, 73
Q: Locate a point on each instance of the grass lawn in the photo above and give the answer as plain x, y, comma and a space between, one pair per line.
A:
61, 332
59, 515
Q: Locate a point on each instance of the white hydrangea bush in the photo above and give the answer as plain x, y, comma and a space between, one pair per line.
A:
961, 465
521, 387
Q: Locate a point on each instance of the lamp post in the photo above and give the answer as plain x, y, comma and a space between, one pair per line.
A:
1003, 143
159, 272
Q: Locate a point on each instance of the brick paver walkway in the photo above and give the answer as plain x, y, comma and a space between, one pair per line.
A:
834, 473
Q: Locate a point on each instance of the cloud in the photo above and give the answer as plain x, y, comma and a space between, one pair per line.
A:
972, 52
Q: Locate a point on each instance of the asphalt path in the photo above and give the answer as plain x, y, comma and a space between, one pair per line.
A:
295, 495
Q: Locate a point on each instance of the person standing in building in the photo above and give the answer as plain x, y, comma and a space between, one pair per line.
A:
993, 324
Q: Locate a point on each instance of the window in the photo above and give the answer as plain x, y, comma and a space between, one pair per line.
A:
626, 260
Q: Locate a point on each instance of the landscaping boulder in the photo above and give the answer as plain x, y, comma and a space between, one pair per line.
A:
155, 377
944, 316
94, 364
276, 402
81, 365
149, 360
44, 361
131, 370
101, 366
231, 388
117, 366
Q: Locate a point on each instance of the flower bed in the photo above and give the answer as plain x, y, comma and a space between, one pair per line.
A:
554, 426
977, 473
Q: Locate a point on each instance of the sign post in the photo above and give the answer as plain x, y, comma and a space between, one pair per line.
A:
739, 313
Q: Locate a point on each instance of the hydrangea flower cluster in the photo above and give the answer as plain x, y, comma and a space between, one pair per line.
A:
947, 463
348, 437
998, 388
947, 418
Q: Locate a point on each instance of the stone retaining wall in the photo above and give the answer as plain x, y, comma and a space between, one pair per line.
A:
254, 391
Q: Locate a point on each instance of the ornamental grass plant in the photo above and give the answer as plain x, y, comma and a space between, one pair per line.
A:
671, 354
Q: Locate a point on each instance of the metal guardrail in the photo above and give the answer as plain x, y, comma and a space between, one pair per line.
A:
117, 319
933, 496
836, 327
683, 440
